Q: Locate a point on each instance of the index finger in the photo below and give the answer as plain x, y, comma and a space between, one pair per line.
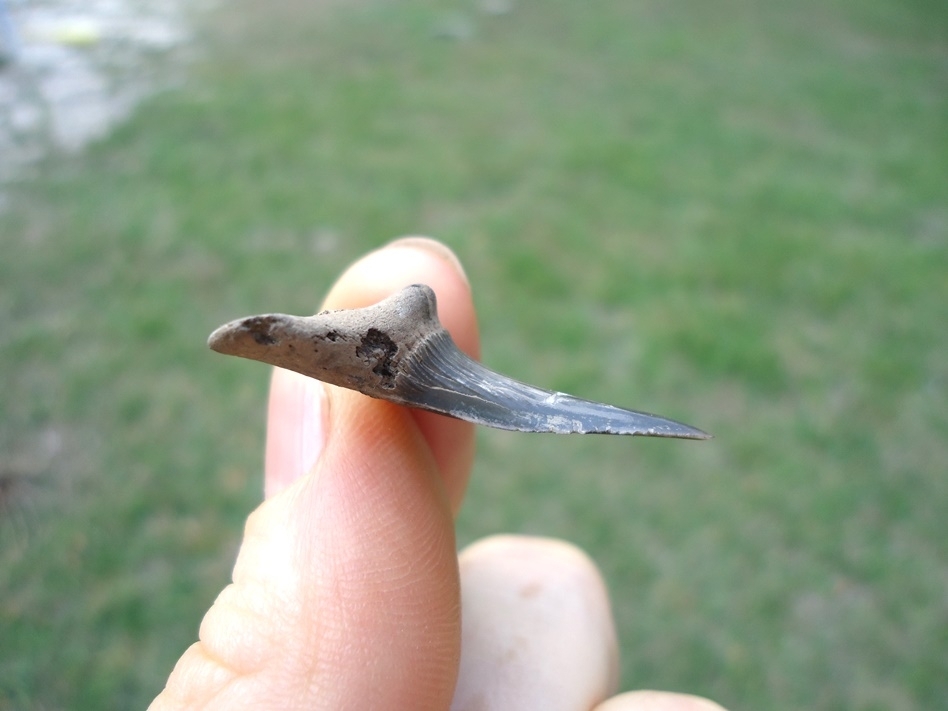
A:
295, 419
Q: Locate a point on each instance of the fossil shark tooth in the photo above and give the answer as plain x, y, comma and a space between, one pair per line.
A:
397, 350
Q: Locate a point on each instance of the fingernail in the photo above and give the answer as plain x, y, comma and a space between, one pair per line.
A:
432, 246
296, 429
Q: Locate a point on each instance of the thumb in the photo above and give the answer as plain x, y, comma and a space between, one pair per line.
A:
345, 591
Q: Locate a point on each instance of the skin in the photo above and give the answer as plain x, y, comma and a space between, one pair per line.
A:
348, 593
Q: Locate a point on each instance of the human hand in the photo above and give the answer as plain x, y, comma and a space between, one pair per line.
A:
348, 593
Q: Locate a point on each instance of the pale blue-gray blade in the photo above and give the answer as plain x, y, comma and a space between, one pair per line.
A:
442, 379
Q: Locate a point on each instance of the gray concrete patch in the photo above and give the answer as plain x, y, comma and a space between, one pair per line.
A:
71, 70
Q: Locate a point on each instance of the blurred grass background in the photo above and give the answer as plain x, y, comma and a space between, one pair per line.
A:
731, 213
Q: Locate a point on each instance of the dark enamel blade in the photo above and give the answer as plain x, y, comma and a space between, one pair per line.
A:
397, 350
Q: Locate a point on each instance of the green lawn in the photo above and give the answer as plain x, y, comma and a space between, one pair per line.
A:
731, 213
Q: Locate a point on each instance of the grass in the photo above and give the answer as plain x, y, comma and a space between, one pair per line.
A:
735, 214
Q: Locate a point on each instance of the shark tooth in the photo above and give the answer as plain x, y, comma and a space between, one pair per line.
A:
397, 350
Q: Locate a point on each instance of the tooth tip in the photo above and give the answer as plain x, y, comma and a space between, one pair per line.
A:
692, 433
676, 430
